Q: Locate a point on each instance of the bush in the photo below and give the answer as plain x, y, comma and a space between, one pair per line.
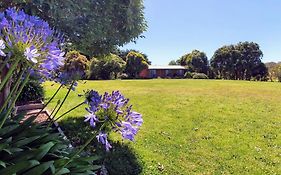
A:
199, 76
33, 91
135, 64
188, 75
106, 67
76, 63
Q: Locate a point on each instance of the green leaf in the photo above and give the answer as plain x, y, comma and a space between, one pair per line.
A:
19, 167
63, 171
43, 150
19, 117
3, 164
7, 129
88, 159
40, 169
25, 141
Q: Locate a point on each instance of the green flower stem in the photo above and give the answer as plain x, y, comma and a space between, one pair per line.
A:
12, 92
9, 74
55, 108
63, 100
49, 100
54, 120
78, 152
14, 101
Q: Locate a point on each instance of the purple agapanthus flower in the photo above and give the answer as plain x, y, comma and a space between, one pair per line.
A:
112, 112
102, 138
31, 54
34, 39
92, 118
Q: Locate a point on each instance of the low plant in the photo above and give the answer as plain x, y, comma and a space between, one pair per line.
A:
29, 148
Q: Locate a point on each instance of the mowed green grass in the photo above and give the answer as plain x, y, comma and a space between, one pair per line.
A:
200, 126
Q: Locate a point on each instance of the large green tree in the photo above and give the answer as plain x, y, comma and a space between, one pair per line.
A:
135, 64
238, 61
195, 61
93, 27
106, 67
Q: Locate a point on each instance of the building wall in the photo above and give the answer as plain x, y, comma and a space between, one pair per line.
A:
144, 73
163, 73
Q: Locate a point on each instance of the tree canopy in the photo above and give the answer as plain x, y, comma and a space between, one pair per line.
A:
238, 61
94, 27
135, 64
123, 54
195, 61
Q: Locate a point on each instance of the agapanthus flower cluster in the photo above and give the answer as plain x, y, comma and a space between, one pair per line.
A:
112, 112
32, 40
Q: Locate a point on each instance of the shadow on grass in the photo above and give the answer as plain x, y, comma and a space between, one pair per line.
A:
121, 159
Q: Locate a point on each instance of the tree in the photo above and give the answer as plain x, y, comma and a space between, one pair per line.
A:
173, 62
106, 67
225, 62
251, 56
135, 64
272, 70
260, 72
237, 61
195, 61
94, 27
123, 54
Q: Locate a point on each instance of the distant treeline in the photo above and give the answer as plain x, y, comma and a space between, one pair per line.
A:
241, 61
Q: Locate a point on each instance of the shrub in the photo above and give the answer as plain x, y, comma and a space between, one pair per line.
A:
106, 67
135, 64
76, 62
188, 75
32, 91
199, 76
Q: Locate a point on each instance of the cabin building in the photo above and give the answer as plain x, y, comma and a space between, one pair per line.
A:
170, 71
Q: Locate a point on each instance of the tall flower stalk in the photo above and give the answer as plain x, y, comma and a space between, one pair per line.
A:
28, 45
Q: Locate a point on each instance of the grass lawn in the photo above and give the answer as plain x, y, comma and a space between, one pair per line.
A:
192, 126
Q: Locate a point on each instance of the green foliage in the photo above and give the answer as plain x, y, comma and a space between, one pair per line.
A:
278, 72
76, 63
29, 148
237, 62
173, 62
32, 91
106, 67
272, 70
260, 72
188, 75
135, 64
199, 76
93, 27
195, 61
123, 54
